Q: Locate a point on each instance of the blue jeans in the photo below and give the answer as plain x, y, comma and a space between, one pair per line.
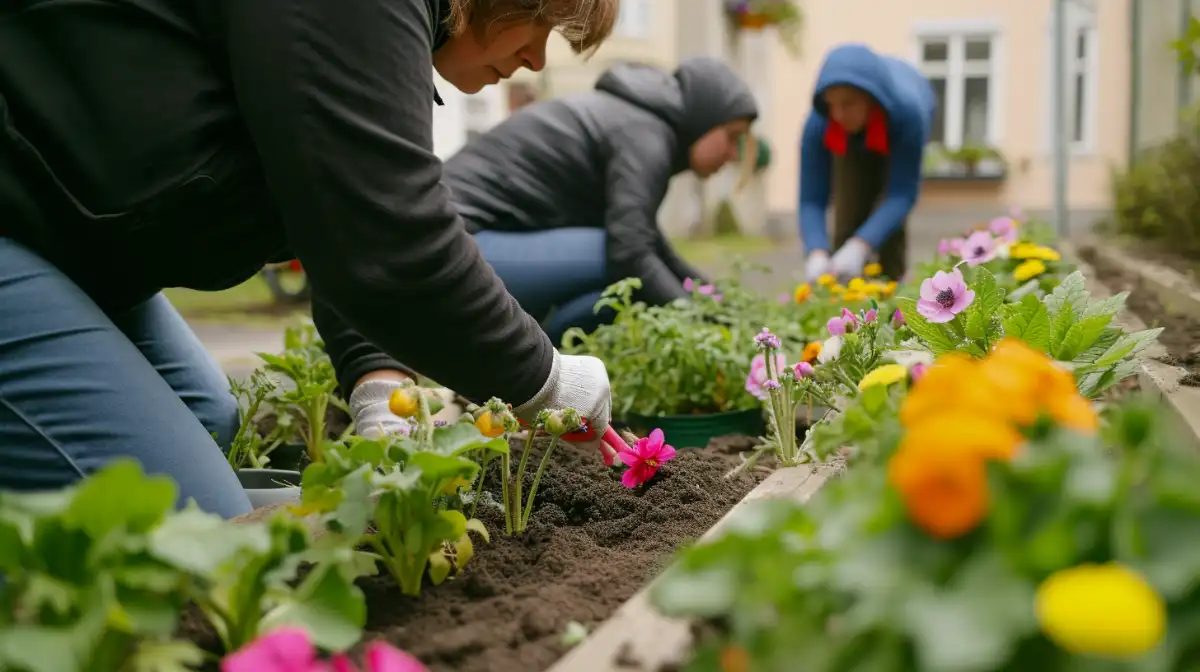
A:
556, 275
79, 388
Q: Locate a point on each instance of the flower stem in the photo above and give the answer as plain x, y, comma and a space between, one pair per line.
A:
505, 471
519, 479
537, 479
483, 465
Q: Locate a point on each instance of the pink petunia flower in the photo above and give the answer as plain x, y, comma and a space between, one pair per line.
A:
803, 370
758, 374
836, 326
979, 248
291, 650
943, 296
898, 319
1004, 228
645, 458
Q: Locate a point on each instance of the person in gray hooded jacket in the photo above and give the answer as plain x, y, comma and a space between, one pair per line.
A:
563, 199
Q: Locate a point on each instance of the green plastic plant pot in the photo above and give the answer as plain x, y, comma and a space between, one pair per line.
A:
695, 431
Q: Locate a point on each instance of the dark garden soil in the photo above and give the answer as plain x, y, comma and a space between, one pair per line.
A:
1181, 333
590, 545
1160, 253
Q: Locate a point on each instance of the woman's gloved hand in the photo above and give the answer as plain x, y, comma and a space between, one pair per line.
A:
369, 406
816, 265
849, 261
576, 381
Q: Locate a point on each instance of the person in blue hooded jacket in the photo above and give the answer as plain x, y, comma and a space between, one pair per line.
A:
863, 144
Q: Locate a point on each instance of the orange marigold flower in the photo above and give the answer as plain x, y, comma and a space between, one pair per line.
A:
944, 491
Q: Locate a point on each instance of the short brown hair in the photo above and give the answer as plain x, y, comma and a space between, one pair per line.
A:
585, 23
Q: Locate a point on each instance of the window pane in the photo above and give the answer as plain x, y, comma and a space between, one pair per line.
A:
1081, 44
978, 49
935, 51
938, 133
975, 110
1078, 107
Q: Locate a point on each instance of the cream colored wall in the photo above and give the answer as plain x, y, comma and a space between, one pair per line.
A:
1022, 81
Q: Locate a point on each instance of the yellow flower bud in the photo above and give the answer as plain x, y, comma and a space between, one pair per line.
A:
405, 402
489, 425
1104, 610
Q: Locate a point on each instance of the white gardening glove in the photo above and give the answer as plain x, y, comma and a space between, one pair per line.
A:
369, 406
578, 382
849, 261
816, 265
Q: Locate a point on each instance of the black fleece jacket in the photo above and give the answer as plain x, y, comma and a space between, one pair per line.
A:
184, 143
599, 159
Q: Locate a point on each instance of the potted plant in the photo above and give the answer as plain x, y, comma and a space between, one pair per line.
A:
680, 367
249, 450
973, 157
783, 15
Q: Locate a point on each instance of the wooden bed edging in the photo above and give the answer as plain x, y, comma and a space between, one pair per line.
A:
1156, 378
636, 637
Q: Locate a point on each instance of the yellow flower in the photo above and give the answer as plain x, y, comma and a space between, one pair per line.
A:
1032, 251
405, 402
489, 425
802, 293
811, 350
884, 375
1028, 269
826, 280
856, 285
890, 288
875, 289
452, 486
872, 270
854, 296
837, 290
1101, 610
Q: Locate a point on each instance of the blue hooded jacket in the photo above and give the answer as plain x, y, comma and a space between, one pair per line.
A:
907, 98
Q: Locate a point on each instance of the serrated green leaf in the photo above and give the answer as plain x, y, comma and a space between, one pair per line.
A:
1127, 346
988, 299
933, 336
1071, 291
1110, 306
1029, 322
1082, 335
1060, 324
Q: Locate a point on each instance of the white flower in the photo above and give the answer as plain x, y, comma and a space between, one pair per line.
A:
1003, 250
908, 358
830, 349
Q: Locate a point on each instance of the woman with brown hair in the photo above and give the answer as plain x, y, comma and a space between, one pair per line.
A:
185, 143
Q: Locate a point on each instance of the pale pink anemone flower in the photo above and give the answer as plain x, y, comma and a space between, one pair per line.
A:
979, 248
943, 296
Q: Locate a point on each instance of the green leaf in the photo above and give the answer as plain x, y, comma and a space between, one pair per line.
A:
974, 624
327, 605
1030, 322
988, 299
1081, 335
703, 594
931, 334
458, 438
1127, 346
1169, 553
1110, 306
201, 543
1070, 294
143, 501
437, 468
166, 657
1060, 324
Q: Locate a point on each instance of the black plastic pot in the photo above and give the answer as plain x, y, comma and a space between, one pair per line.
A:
289, 457
270, 486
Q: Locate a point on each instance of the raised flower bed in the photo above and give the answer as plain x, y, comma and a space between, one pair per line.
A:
953, 541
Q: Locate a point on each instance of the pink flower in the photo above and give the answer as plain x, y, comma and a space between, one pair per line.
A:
870, 316
758, 374
898, 319
645, 458
943, 248
1017, 213
836, 326
917, 370
849, 319
803, 370
1004, 228
954, 247
291, 650
785, 298
979, 248
690, 286
943, 296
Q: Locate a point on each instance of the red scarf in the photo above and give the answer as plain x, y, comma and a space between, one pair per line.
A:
837, 140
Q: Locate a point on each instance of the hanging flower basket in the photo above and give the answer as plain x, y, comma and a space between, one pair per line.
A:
782, 15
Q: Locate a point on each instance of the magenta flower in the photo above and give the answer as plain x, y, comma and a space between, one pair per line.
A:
758, 377
943, 248
803, 370
690, 286
870, 316
954, 247
836, 326
917, 370
784, 298
645, 458
898, 319
979, 248
943, 296
1004, 228
291, 650
849, 319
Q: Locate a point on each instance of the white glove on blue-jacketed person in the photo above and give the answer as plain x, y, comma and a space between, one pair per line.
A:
578, 382
848, 262
816, 265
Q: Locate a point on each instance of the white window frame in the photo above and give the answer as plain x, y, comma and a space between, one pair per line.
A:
956, 70
1080, 19
635, 20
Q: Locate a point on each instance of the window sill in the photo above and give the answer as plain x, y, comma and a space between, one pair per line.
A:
994, 178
